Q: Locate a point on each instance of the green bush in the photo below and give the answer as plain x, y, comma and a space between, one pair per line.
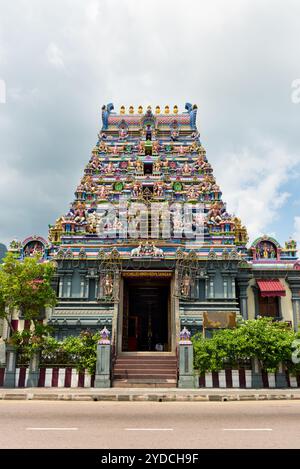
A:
268, 341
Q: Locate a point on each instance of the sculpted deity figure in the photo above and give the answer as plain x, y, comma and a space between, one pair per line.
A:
155, 146
214, 215
186, 168
141, 147
102, 147
92, 222
157, 166
139, 166
79, 213
108, 285
95, 163
102, 192
200, 162
123, 133
158, 189
192, 193
131, 165
136, 189
110, 169
186, 285
174, 135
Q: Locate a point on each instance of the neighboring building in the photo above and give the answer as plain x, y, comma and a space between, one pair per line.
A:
145, 277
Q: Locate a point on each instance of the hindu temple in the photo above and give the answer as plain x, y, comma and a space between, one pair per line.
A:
148, 247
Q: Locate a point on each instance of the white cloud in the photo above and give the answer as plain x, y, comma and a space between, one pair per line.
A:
225, 56
252, 181
55, 56
296, 234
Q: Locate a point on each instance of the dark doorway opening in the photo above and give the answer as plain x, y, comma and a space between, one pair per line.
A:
148, 167
146, 315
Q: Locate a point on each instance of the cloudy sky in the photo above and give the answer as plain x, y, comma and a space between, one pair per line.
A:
60, 60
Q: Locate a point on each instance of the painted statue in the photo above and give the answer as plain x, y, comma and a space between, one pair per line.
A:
106, 110
186, 285
192, 110
108, 285
186, 168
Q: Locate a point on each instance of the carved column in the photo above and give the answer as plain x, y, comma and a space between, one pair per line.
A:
186, 361
69, 285
61, 286
243, 285
294, 284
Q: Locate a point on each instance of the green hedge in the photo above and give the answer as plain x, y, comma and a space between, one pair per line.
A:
270, 342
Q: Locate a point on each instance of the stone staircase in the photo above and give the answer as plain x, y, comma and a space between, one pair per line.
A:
145, 371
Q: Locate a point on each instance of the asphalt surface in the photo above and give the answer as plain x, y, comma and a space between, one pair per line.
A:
254, 424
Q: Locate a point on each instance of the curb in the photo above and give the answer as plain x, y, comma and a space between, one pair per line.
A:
222, 397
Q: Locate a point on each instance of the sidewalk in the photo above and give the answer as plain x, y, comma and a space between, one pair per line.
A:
148, 394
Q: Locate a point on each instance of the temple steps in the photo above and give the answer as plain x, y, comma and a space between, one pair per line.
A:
145, 371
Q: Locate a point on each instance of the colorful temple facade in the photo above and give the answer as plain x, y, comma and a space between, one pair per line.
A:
148, 246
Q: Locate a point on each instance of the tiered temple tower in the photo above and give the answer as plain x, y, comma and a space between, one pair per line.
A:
148, 246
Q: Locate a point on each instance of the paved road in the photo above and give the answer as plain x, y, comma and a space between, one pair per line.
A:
38, 424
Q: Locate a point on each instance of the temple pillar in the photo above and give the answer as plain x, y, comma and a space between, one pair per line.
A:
34, 371
243, 282
10, 373
69, 285
210, 285
186, 361
293, 280
102, 377
61, 286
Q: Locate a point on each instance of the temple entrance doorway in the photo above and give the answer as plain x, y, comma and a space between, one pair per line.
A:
146, 315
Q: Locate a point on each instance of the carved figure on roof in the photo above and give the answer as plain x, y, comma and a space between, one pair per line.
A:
136, 189
266, 250
200, 162
186, 169
110, 169
155, 145
192, 110
95, 163
140, 109
157, 110
34, 247
147, 250
102, 192
79, 213
92, 222
106, 110
214, 214
159, 189
192, 193
157, 166
167, 109
123, 133
139, 166
131, 110
141, 147
174, 134
175, 109
103, 147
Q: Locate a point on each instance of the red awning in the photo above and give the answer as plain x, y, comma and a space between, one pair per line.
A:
271, 287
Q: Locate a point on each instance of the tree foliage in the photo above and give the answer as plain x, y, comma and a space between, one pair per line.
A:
25, 286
